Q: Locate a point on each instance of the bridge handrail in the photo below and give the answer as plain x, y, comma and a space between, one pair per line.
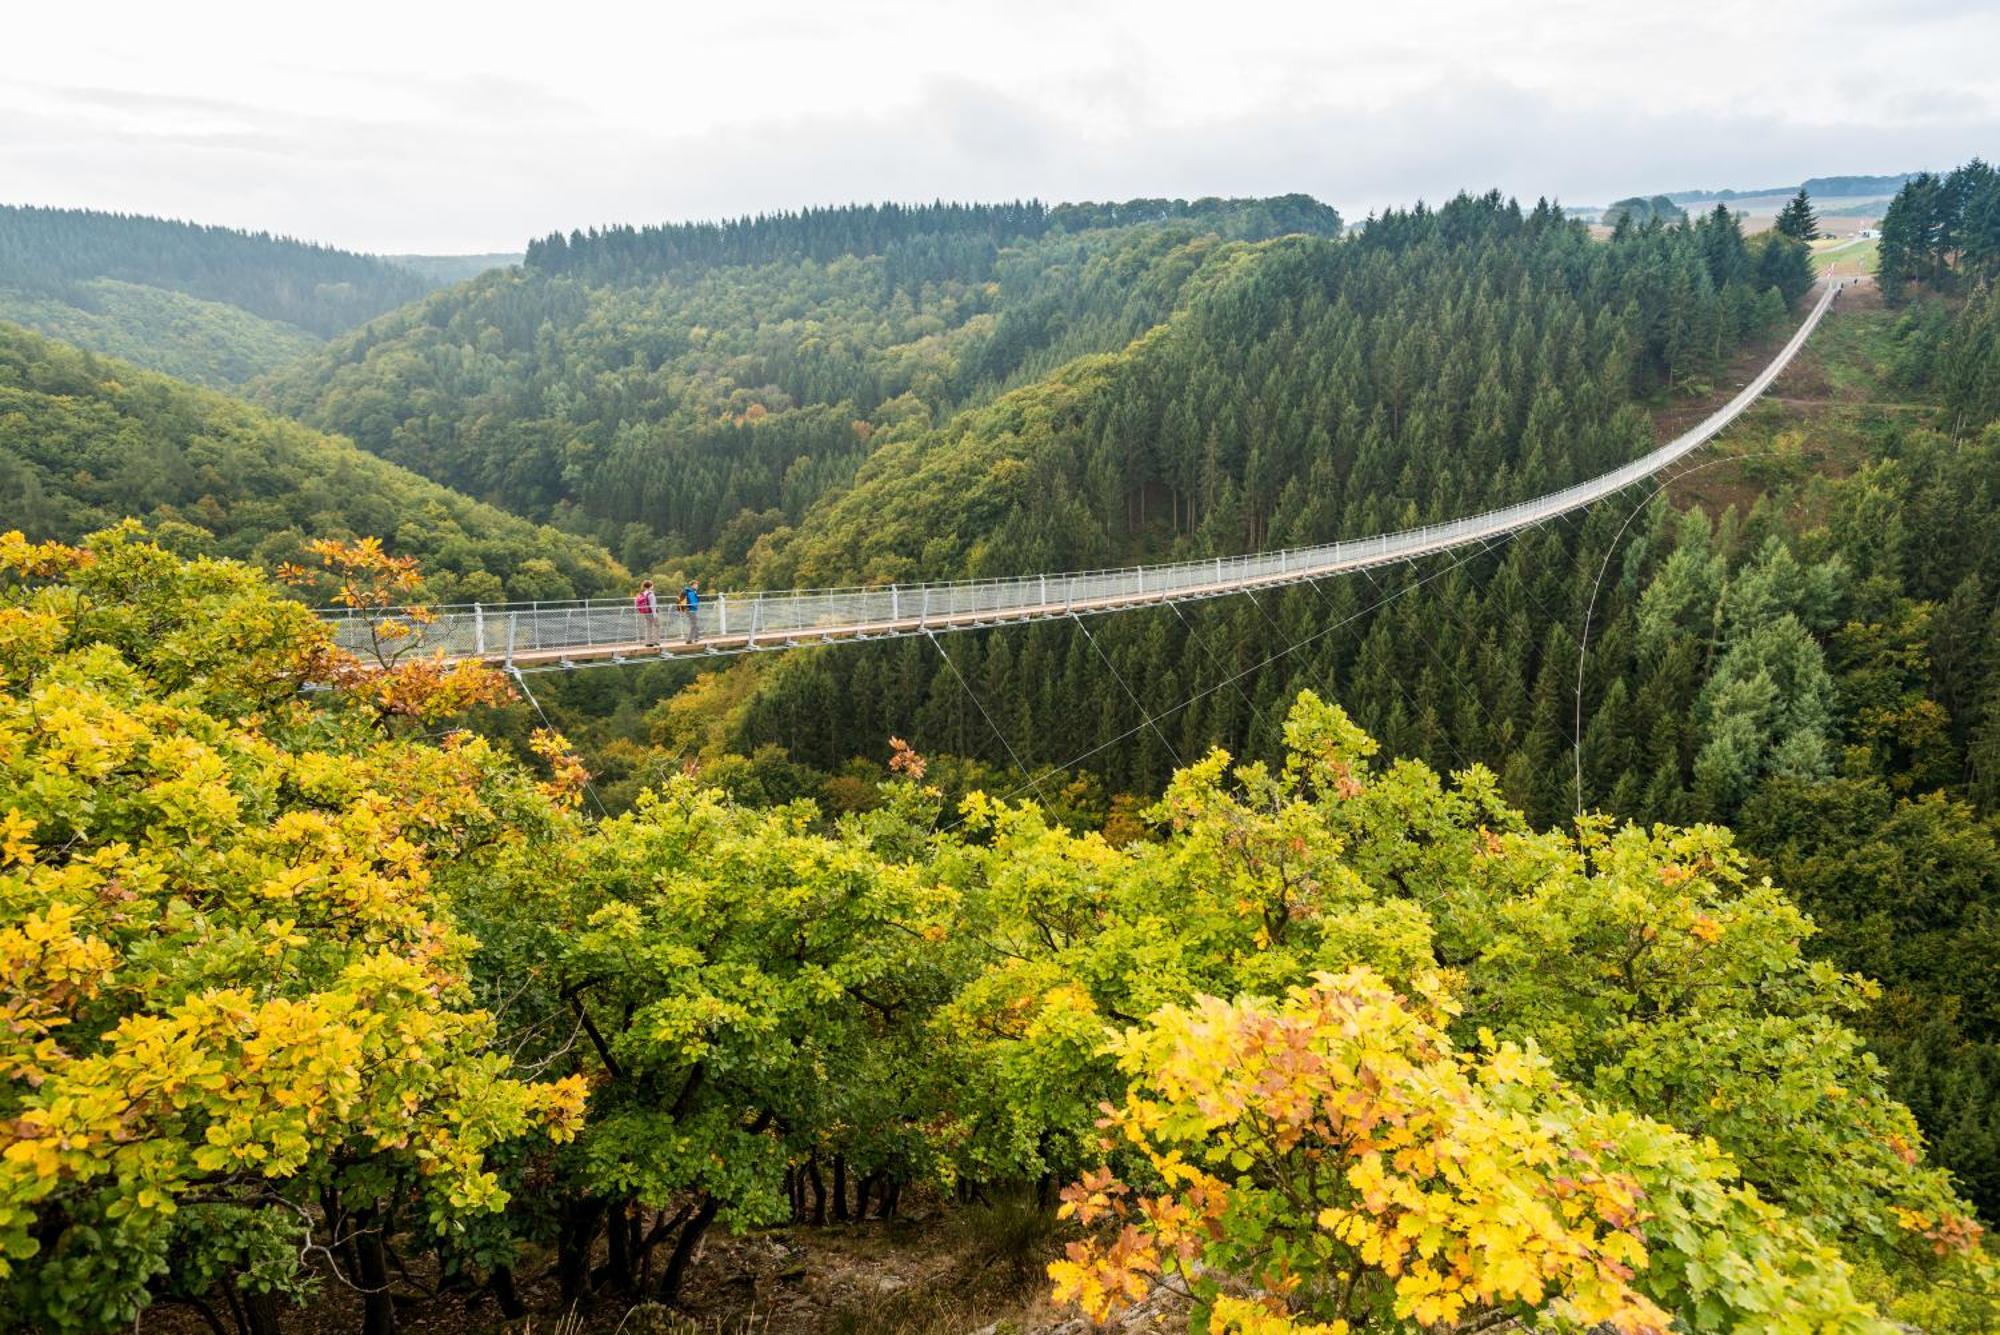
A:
465, 629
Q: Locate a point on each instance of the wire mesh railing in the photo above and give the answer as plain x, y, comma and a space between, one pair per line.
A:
737, 622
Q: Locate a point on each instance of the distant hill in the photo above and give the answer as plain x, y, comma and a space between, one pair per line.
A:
317, 288
86, 441
671, 387
444, 270
1819, 187
880, 229
190, 338
212, 305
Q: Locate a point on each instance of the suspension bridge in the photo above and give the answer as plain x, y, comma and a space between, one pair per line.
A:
543, 636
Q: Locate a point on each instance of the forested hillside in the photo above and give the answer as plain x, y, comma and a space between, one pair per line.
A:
209, 304
668, 389
1441, 363
1806, 645
315, 997
203, 342
1386, 1030
85, 442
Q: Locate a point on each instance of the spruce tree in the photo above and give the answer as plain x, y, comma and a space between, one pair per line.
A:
1797, 219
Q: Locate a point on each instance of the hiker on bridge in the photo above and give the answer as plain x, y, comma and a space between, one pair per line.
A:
649, 613
691, 604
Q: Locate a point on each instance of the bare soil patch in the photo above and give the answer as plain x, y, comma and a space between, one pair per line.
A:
936, 1270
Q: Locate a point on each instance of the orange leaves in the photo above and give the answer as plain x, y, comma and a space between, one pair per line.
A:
428, 690
399, 684
1099, 1196
567, 776
39, 560
1948, 1233
369, 578
1348, 1123
904, 760
1106, 1279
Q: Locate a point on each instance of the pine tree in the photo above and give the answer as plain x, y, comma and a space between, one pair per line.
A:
1797, 219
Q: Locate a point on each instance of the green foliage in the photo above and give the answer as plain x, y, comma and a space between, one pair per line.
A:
704, 384
226, 959
86, 442
1956, 355
1337, 1152
239, 957
316, 288
205, 342
1640, 210
1941, 231
1797, 220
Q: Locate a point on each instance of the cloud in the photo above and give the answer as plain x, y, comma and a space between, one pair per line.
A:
509, 142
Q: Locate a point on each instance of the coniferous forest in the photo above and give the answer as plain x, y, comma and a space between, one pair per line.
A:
213, 305
1593, 930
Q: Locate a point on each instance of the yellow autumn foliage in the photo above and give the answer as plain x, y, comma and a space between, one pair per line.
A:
224, 968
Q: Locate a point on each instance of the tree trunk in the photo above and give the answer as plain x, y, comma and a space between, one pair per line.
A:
573, 1243
334, 1220
378, 1310
263, 1313
818, 1185
501, 1281
691, 1231
875, 1184
840, 1187
618, 1237
862, 1190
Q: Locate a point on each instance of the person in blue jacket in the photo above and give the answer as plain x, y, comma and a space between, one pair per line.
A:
691, 604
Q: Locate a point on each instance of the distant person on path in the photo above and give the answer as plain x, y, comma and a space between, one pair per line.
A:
691, 604
649, 613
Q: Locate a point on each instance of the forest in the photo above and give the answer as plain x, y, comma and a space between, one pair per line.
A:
669, 390
86, 441
213, 305
1597, 931
374, 988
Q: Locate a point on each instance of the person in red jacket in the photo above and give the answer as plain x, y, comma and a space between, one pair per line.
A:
649, 613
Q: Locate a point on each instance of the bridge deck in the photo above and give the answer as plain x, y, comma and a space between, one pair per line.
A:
536, 637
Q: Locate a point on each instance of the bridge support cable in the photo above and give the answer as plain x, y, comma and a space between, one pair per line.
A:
573, 633
1256, 714
1597, 585
980, 705
588, 786
1129, 693
1238, 676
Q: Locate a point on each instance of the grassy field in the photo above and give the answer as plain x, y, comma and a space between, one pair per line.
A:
1843, 257
1834, 410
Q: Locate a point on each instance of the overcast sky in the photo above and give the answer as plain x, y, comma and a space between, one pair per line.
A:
421, 126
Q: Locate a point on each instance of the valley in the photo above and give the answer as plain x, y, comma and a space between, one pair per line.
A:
1573, 910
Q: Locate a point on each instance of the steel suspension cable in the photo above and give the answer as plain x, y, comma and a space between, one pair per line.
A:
1178, 763
980, 705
